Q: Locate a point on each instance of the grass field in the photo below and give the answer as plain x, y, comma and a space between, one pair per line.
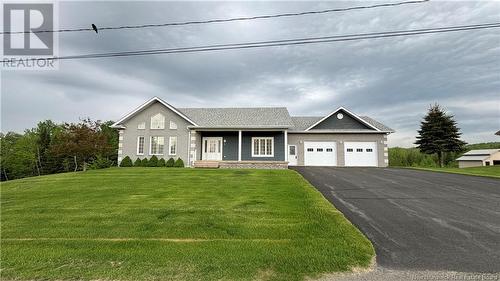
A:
173, 224
486, 171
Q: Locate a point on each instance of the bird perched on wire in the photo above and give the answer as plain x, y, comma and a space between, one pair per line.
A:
94, 28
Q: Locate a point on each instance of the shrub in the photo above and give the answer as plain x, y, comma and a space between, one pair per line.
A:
153, 161
179, 163
170, 162
126, 162
144, 162
161, 162
101, 162
137, 162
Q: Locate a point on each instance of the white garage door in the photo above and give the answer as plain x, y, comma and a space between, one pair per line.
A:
360, 154
321, 153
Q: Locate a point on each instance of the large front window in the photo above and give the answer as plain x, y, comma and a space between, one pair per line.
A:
158, 121
157, 144
263, 147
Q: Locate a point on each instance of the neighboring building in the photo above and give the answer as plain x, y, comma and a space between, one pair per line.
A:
479, 157
264, 137
497, 133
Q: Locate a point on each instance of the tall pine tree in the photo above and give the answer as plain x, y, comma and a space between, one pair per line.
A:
439, 134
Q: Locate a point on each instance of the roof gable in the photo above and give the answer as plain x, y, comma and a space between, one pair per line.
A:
348, 121
118, 124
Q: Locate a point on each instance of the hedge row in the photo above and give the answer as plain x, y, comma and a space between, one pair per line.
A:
152, 162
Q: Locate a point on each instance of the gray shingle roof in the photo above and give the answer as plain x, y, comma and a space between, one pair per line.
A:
304, 122
376, 124
258, 117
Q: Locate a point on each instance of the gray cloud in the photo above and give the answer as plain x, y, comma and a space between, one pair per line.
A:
393, 80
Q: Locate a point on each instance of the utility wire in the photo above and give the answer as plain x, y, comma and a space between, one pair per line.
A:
285, 42
225, 20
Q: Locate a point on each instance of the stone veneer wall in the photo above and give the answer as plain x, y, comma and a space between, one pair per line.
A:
253, 165
120, 147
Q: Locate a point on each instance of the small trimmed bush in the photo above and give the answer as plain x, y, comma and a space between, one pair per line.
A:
100, 163
170, 162
126, 162
137, 162
179, 163
144, 162
161, 162
153, 161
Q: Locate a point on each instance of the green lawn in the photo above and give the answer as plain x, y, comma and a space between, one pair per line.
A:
486, 171
173, 224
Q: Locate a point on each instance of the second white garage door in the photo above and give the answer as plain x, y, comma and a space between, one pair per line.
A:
320, 153
361, 154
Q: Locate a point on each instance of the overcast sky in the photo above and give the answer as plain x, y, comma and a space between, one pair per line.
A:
392, 80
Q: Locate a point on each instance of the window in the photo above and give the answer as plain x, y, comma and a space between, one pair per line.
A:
349, 150
310, 149
140, 145
369, 150
141, 126
156, 146
172, 146
329, 150
319, 149
173, 126
359, 150
487, 163
158, 121
262, 147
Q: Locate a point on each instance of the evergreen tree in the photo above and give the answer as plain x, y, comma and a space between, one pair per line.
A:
170, 162
153, 161
179, 163
137, 162
439, 134
145, 162
161, 162
126, 162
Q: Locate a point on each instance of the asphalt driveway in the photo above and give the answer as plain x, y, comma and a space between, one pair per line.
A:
418, 220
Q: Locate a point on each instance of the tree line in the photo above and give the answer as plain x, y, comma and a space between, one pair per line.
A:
53, 148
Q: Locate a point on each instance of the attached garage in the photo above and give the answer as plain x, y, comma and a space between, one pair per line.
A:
362, 154
320, 153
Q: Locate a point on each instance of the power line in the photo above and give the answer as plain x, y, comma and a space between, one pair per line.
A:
284, 42
225, 20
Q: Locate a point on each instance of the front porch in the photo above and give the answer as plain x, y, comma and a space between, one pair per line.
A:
250, 148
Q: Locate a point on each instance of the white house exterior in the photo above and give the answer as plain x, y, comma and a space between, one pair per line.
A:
263, 137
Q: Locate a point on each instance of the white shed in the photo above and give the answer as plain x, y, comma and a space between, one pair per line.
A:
479, 157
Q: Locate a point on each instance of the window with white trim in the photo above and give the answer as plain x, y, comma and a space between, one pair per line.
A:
173, 126
158, 121
172, 146
156, 145
140, 145
141, 126
262, 147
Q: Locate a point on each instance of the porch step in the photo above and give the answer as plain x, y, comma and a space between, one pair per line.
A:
206, 164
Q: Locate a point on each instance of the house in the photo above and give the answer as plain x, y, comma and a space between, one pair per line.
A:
479, 157
263, 137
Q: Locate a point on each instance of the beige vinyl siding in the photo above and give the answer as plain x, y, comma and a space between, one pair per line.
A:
298, 139
130, 134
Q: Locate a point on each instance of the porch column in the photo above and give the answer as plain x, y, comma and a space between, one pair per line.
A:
239, 145
286, 144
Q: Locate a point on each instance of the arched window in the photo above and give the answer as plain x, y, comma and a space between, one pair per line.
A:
158, 121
